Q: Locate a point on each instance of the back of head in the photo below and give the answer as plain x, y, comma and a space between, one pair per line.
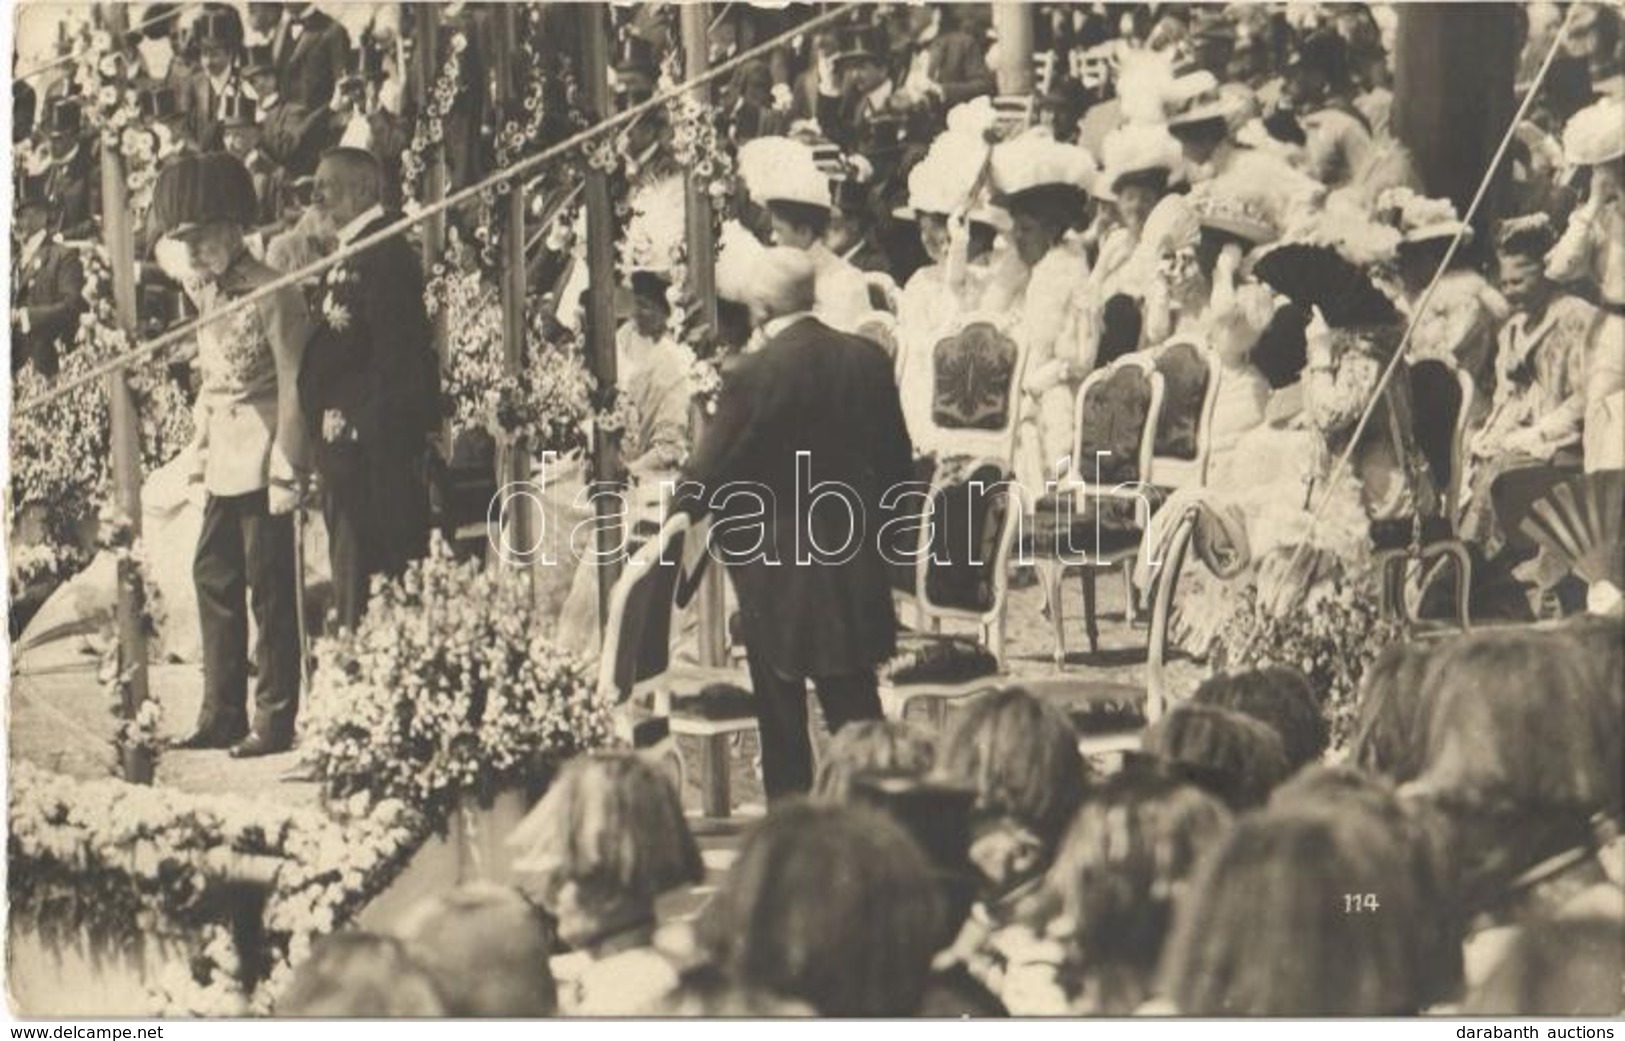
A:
363, 976
1388, 719
1571, 967
1280, 698
1277, 924
784, 283
1235, 757
1021, 755
1126, 859
871, 746
614, 820
487, 950
832, 905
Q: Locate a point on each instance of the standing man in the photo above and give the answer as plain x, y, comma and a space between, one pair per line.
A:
370, 387
219, 34
809, 433
251, 458
47, 286
311, 51
71, 180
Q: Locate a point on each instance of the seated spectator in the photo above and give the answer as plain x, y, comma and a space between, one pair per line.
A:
360, 976
1278, 697
876, 745
1244, 391
1530, 439
487, 950
1276, 923
1124, 865
1225, 753
831, 905
607, 839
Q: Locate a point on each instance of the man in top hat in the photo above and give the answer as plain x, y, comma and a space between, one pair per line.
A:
219, 34
288, 131
243, 136
161, 111
311, 52
856, 105
47, 285
813, 417
71, 182
1318, 89
944, 65
851, 235
369, 387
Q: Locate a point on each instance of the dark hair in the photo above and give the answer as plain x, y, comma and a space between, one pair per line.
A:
360, 975
1388, 720
803, 215
1121, 327
1059, 207
1282, 350
1425, 836
1531, 237
1021, 755
487, 950
1130, 850
1233, 756
650, 286
832, 905
1155, 179
1279, 697
878, 745
1270, 928
1202, 131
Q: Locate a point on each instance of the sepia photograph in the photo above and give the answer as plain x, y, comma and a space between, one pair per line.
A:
750, 510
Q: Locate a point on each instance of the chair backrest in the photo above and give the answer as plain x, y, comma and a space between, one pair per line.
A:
976, 372
962, 569
637, 640
1442, 407
1190, 375
881, 327
1118, 408
883, 292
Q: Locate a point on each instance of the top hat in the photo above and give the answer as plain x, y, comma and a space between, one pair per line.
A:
259, 60
31, 191
158, 20
367, 61
634, 56
64, 116
158, 102
863, 44
849, 194
1323, 51
221, 25
237, 110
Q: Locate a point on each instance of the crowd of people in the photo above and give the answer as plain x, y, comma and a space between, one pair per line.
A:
1461, 856
1218, 183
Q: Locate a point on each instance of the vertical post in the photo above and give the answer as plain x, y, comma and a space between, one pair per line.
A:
1013, 24
119, 241
426, 27
702, 284
513, 462
1454, 66
606, 463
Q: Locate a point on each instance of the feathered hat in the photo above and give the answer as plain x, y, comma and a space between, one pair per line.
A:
777, 169
739, 256
945, 180
1231, 204
1326, 267
1136, 149
194, 190
1418, 218
1034, 167
1196, 97
1596, 134
653, 241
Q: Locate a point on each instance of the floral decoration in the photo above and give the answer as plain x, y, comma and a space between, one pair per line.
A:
134, 864
449, 689
429, 130
101, 74
138, 729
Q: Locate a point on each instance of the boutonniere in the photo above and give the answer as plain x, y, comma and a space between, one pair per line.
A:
337, 305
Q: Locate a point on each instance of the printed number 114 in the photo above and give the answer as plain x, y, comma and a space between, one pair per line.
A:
1358, 903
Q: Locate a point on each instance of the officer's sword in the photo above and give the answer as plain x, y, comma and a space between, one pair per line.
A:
299, 597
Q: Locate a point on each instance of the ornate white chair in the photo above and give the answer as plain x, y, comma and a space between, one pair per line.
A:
1190, 376
976, 373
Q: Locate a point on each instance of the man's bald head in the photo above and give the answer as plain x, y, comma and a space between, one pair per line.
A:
349, 181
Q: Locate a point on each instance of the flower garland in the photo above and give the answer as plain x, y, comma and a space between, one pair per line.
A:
138, 730
130, 863
102, 75
448, 690
429, 131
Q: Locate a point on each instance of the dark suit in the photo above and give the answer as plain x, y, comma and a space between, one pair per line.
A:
49, 289
311, 59
816, 391
956, 64
379, 376
203, 124
294, 137
74, 188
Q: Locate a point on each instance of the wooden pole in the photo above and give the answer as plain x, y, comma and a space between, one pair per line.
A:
119, 240
513, 463
606, 456
426, 67
702, 283
1013, 24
